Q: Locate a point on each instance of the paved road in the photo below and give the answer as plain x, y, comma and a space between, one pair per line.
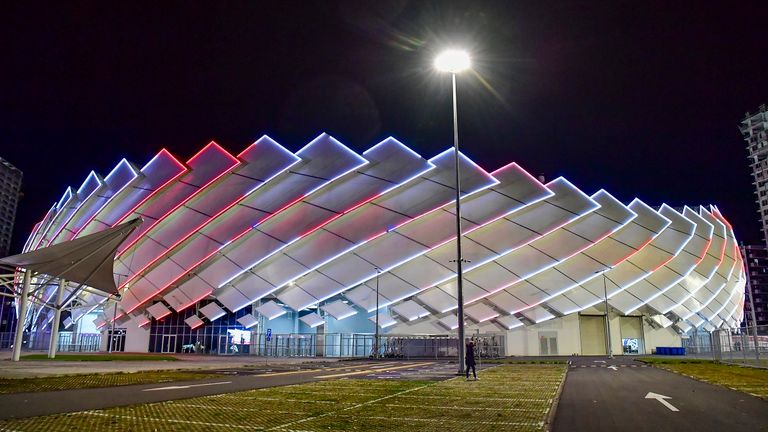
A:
609, 395
21, 405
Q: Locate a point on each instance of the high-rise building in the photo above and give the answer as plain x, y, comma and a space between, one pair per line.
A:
10, 187
757, 264
753, 128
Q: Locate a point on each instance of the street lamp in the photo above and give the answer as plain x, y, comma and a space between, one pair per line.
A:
376, 337
455, 61
607, 321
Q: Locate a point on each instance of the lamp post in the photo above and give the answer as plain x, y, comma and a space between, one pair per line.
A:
376, 336
607, 321
456, 61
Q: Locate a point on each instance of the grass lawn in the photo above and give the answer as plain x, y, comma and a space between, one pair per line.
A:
749, 380
514, 397
96, 380
100, 357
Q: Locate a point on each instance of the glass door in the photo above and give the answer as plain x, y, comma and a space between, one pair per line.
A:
168, 344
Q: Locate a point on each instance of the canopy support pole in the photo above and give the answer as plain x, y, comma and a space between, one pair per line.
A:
56, 319
23, 304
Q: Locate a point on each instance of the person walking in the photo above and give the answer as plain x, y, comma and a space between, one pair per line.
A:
470, 358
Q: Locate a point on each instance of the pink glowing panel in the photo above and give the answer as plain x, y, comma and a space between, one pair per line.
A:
207, 166
194, 322
293, 221
322, 161
176, 299
158, 311
153, 177
141, 320
351, 269
390, 161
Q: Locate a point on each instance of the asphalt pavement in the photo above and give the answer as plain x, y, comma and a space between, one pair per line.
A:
602, 394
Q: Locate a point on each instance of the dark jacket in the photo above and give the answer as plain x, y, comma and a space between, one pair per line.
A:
470, 356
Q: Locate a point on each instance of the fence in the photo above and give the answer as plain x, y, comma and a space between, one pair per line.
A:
68, 342
360, 345
745, 345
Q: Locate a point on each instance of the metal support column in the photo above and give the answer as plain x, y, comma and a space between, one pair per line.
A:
459, 259
23, 304
607, 318
56, 319
112, 336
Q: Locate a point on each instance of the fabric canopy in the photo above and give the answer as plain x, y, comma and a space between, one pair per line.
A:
87, 260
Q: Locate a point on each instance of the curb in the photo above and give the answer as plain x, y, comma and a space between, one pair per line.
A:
556, 400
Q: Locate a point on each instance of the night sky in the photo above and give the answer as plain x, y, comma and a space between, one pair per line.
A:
638, 98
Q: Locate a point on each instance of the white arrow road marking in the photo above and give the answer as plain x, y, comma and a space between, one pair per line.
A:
661, 398
188, 386
598, 361
613, 367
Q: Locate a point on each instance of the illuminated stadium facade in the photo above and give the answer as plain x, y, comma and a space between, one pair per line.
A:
296, 244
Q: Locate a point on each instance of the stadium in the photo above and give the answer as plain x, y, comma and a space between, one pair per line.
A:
270, 252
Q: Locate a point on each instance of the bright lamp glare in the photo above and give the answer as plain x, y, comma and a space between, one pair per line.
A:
453, 61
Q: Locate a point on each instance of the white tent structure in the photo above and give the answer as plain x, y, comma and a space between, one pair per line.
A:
78, 266
325, 234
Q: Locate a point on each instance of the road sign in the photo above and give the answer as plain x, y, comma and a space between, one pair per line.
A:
269, 335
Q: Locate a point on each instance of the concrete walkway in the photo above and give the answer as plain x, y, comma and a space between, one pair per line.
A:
42, 368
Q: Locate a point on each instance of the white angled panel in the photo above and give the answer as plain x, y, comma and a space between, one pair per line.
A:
480, 312
384, 320
313, 320
296, 298
248, 321
271, 310
509, 321
450, 322
438, 300
410, 310
212, 311
339, 310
